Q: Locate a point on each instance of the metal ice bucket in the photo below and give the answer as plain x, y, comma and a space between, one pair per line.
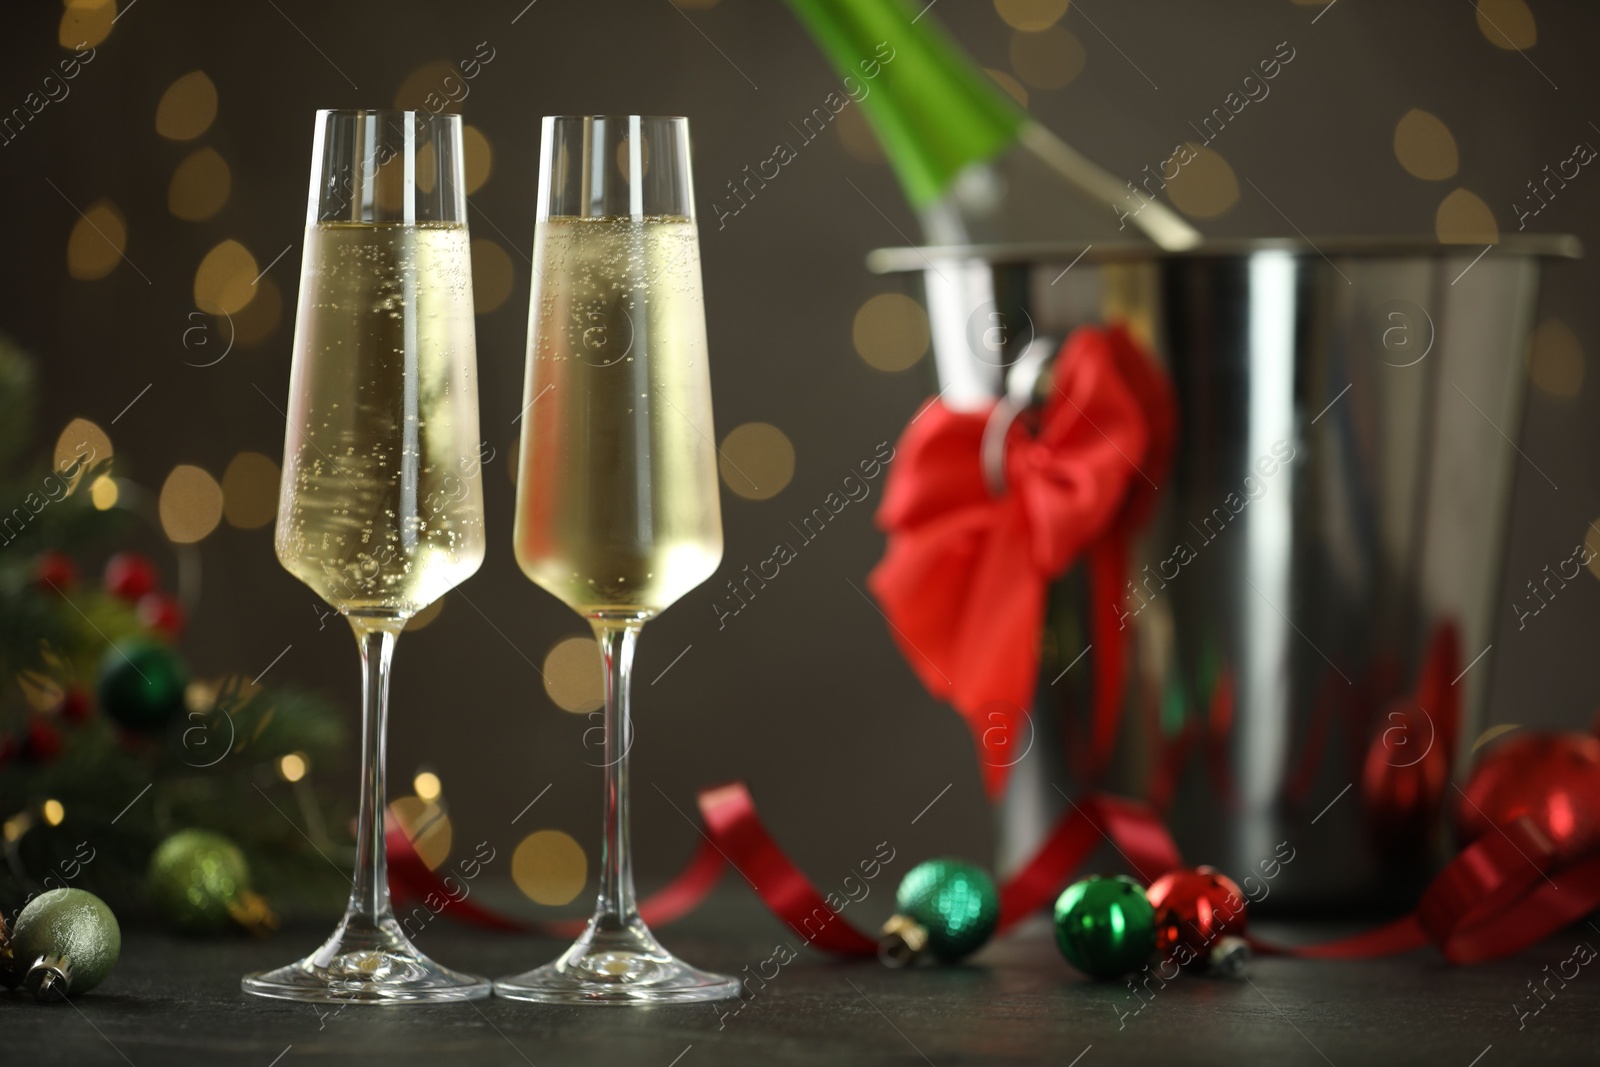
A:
1394, 373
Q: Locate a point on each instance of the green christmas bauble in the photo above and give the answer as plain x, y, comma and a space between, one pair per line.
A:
954, 901
198, 881
1105, 926
142, 684
72, 925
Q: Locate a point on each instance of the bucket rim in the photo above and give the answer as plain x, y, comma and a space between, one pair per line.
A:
918, 258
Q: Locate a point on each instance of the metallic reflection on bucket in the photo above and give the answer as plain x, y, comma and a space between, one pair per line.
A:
1328, 546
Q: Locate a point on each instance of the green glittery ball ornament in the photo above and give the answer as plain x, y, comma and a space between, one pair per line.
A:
67, 940
141, 684
1105, 926
200, 882
946, 906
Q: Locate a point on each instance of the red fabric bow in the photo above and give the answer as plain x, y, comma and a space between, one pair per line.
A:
964, 578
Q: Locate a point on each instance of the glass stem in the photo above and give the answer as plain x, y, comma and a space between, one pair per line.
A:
616, 909
369, 893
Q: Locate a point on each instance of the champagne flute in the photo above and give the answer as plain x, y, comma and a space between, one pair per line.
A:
617, 509
381, 507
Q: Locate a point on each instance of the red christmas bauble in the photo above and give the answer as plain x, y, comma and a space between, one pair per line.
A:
1194, 910
162, 613
55, 571
41, 742
129, 576
75, 706
1551, 779
1403, 781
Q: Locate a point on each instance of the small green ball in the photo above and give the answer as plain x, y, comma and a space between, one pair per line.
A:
141, 684
196, 878
954, 901
73, 923
1105, 926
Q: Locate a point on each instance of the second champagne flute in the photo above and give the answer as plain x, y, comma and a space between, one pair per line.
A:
617, 509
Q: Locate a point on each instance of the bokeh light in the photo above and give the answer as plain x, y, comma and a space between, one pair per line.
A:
1031, 15
190, 505
224, 281
1050, 59
86, 22
890, 331
81, 438
1205, 187
550, 867
53, 812
188, 107
98, 238
438, 77
492, 275
1425, 146
1507, 24
427, 826
250, 491
1555, 359
427, 785
422, 618
756, 460
574, 677
293, 767
1464, 219
103, 493
477, 162
257, 320
200, 186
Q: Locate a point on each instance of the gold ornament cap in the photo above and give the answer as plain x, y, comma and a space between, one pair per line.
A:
903, 940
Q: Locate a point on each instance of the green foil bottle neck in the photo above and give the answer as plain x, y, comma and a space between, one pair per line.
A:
933, 110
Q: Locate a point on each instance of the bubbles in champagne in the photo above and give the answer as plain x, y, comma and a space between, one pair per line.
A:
382, 506
617, 500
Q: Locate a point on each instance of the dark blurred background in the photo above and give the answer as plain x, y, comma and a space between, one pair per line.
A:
1422, 118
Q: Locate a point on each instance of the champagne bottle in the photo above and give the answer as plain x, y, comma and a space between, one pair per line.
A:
974, 165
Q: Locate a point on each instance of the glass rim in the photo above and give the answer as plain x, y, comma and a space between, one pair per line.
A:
615, 118
368, 112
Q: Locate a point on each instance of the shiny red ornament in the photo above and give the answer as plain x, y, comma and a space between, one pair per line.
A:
1195, 909
1552, 779
129, 576
75, 706
162, 614
55, 571
1403, 780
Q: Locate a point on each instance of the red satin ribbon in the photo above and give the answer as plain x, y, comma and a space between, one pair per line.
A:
1500, 895
964, 575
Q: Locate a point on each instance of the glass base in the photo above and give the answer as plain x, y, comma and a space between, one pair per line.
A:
622, 965
366, 963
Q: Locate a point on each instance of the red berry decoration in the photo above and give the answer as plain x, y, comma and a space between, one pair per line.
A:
75, 706
55, 571
1403, 781
1195, 910
42, 741
1551, 779
162, 614
130, 576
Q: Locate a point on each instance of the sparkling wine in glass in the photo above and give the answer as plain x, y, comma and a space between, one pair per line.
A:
617, 508
381, 507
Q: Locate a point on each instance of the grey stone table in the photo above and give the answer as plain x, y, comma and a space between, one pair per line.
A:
173, 1001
